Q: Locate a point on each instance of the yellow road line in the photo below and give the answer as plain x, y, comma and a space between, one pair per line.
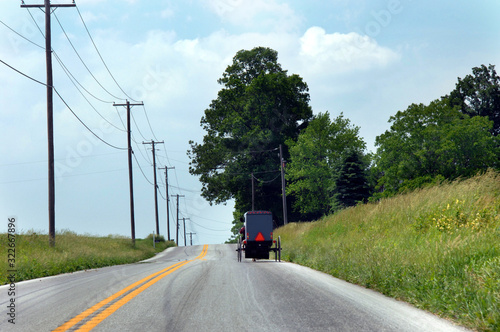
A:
153, 278
99, 305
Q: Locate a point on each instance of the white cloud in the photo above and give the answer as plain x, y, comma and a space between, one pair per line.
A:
324, 52
167, 13
257, 14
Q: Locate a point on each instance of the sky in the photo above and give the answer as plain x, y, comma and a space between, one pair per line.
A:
366, 59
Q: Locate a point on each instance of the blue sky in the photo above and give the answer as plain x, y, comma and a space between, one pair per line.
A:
367, 59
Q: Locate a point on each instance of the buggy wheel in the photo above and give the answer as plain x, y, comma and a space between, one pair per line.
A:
239, 249
275, 249
279, 248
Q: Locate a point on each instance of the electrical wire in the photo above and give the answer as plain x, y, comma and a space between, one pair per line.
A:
140, 147
217, 221
76, 116
133, 138
17, 33
151, 183
268, 181
133, 118
210, 229
149, 123
70, 76
59, 60
161, 195
62, 99
107, 68
83, 62
120, 117
18, 71
99, 53
36, 24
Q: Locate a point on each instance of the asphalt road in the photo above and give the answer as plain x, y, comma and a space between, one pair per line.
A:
204, 288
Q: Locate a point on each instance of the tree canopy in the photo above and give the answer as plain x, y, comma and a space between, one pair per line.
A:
431, 141
315, 159
479, 95
258, 108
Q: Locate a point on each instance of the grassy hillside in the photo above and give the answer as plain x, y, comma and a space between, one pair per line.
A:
34, 258
437, 248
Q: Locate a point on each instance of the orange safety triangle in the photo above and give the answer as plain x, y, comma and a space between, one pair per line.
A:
260, 237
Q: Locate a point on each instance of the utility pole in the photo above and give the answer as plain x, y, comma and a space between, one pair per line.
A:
191, 237
282, 162
168, 199
155, 185
130, 177
50, 115
184, 225
253, 194
177, 224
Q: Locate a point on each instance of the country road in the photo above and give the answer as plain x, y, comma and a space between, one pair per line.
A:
204, 288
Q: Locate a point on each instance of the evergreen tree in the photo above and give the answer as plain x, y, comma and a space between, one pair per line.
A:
351, 185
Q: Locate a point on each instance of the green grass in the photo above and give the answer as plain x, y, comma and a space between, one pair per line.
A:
437, 248
35, 259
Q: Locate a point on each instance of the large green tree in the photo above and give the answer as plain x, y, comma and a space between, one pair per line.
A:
258, 108
479, 95
425, 142
315, 159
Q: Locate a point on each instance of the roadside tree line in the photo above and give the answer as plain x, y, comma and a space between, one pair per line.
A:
260, 107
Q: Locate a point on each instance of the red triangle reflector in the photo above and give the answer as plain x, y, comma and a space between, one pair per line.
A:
260, 237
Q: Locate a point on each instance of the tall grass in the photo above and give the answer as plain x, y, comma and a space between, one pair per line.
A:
437, 248
35, 259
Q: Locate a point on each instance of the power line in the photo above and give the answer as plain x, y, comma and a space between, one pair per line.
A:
70, 76
41, 32
62, 99
83, 62
62, 64
17, 33
151, 183
99, 53
143, 137
149, 123
210, 229
68, 73
76, 116
268, 181
139, 148
217, 221
19, 72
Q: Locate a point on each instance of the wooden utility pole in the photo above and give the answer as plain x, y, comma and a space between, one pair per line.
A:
177, 224
184, 225
191, 237
50, 115
130, 176
168, 199
253, 193
283, 191
155, 184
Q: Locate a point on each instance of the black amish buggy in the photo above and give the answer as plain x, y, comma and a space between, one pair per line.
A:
258, 240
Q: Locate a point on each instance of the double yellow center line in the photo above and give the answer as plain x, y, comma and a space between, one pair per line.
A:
117, 300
